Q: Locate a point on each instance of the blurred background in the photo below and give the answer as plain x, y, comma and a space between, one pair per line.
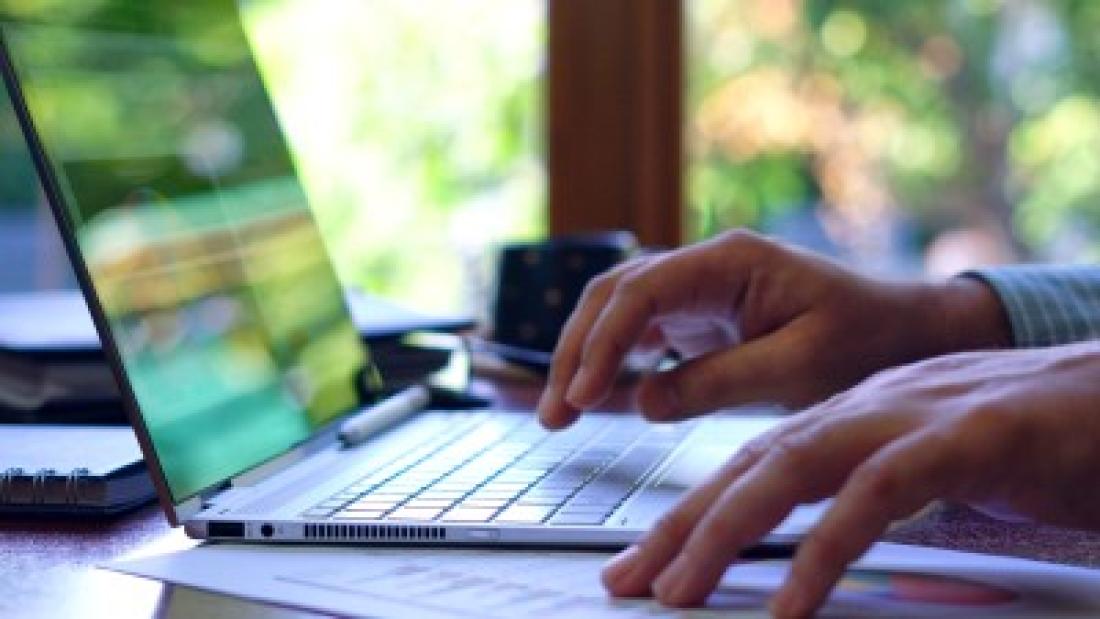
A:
908, 137
916, 135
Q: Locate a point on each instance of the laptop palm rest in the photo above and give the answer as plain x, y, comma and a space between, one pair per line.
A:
693, 465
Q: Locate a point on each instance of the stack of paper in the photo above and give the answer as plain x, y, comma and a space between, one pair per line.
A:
891, 581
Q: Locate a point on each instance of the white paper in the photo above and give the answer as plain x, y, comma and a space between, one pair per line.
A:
890, 582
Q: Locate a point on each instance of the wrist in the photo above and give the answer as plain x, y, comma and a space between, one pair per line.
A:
965, 315
958, 315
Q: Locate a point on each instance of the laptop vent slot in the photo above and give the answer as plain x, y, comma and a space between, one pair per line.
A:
374, 532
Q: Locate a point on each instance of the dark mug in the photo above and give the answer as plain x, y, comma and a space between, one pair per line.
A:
539, 285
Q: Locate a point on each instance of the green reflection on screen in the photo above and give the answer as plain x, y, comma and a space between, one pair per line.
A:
190, 217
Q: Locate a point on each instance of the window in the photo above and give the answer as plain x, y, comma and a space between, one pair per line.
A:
909, 135
418, 127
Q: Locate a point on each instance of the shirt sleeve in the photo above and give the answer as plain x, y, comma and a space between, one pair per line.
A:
1047, 305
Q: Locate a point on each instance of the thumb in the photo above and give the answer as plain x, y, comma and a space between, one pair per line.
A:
763, 370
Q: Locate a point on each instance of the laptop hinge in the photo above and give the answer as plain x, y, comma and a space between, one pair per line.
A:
224, 497
219, 494
255, 475
264, 471
189, 508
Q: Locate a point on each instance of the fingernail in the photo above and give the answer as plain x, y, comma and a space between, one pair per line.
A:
669, 586
620, 566
578, 395
546, 400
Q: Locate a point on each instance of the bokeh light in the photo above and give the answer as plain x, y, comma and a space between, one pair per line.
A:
930, 136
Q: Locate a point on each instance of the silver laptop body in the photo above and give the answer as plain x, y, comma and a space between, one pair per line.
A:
192, 238
602, 483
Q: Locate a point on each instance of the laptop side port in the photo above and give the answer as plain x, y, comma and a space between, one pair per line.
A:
225, 529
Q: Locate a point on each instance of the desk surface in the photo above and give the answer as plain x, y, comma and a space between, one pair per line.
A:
48, 568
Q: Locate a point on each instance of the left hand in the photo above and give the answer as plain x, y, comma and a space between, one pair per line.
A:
1013, 432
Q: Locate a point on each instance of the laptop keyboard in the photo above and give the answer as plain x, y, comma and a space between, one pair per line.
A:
523, 476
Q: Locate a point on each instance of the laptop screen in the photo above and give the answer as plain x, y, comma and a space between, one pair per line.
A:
183, 199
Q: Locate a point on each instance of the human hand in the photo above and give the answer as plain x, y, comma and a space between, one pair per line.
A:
1008, 432
758, 322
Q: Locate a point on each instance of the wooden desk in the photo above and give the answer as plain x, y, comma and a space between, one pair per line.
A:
48, 569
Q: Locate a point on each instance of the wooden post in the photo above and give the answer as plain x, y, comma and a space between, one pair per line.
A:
615, 138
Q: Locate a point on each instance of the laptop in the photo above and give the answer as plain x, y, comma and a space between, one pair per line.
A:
226, 327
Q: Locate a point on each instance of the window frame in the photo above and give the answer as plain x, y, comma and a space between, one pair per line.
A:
615, 144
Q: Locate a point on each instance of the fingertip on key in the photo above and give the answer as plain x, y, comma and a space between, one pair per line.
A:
668, 588
616, 573
552, 422
788, 603
657, 401
553, 412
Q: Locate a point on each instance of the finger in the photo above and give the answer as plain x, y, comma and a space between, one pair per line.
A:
553, 409
896, 482
764, 370
653, 340
632, 572
690, 279
800, 468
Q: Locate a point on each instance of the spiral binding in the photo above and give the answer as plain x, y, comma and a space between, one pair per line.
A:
7, 484
74, 480
73, 483
38, 484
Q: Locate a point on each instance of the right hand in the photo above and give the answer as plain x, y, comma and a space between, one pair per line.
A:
756, 321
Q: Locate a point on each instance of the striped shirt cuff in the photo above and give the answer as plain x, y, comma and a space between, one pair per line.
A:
1047, 305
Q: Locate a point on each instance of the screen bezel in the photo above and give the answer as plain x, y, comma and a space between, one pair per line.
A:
176, 512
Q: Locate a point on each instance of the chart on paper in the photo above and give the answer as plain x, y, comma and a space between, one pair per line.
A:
503, 585
478, 583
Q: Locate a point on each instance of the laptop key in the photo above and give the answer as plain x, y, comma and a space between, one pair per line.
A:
523, 473
539, 500
386, 496
591, 518
413, 513
495, 486
429, 503
492, 494
371, 505
440, 494
525, 514
592, 503
469, 514
450, 487
402, 490
602, 493
484, 503
567, 485
553, 493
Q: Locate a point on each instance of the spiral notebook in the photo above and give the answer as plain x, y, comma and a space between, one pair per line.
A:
71, 470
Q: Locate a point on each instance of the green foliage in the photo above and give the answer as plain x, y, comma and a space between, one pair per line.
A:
960, 111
